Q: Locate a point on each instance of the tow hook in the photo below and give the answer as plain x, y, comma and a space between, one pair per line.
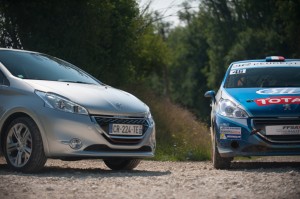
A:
255, 131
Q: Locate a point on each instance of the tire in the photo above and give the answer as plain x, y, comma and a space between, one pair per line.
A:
23, 147
218, 161
121, 163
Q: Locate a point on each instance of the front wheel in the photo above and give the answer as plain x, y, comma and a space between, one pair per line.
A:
218, 161
121, 163
23, 146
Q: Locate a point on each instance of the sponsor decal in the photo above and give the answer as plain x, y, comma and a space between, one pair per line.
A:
222, 136
278, 100
240, 65
283, 130
265, 64
235, 72
230, 132
224, 124
228, 136
276, 91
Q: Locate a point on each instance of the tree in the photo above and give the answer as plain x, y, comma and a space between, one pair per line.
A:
225, 31
190, 58
99, 36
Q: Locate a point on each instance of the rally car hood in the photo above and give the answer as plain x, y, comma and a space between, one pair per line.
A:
97, 99
268, 102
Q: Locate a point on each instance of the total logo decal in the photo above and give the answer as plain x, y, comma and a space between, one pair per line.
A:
278, 100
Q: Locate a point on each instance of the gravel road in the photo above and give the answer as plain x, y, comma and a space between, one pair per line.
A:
260, 178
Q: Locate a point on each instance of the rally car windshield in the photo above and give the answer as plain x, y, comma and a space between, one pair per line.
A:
264, 77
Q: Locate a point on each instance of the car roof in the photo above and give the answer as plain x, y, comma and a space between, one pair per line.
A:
256, 63
263, 60
16, 50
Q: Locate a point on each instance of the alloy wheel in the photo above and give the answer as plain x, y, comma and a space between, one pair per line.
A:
19, 145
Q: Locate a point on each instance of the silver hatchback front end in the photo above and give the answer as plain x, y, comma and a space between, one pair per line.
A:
52, 109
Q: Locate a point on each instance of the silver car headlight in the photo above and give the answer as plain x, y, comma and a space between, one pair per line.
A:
229, 109
60, 103
150, 118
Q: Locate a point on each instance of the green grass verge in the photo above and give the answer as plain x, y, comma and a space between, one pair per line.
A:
180, 136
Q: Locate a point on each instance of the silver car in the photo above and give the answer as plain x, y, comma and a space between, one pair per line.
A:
49, 108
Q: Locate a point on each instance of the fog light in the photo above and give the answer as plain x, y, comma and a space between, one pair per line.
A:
235, 144
75, 143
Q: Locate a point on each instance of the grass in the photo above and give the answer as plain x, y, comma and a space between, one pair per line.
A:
180, 136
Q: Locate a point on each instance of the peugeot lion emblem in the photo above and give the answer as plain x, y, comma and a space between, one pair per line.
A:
119, 106
287, 107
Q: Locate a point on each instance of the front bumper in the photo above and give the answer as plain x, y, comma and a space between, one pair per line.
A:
59, 128
240, 137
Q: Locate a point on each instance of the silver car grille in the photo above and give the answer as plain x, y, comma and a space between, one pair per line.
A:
104, 121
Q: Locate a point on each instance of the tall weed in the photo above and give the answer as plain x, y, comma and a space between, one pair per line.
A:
180, 136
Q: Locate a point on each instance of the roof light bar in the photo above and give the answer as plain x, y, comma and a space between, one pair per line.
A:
275, 58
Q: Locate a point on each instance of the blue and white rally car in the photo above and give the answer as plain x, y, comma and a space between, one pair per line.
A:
256, 111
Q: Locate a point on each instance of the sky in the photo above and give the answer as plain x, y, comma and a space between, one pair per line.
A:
168, 8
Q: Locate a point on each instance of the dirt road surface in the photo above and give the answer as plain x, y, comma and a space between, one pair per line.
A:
260, 178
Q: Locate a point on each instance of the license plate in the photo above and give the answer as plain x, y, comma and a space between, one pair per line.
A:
125, 129
283, 130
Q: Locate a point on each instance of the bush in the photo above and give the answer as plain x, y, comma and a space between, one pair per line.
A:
180, 137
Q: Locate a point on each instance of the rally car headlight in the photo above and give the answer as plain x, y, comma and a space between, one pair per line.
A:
60, 103
229, 109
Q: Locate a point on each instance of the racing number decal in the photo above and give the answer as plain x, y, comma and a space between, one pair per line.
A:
235, 72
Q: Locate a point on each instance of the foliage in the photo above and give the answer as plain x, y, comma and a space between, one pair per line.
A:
180, 136
125, 47
112, 41
98, 36
221, 32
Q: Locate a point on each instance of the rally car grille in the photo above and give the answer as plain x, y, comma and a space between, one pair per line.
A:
260, 126
105, 121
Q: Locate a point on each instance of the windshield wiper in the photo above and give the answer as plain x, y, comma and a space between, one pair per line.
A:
79, 82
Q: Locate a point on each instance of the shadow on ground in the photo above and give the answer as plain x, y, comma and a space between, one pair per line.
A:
56, 171
252, 165
281, 165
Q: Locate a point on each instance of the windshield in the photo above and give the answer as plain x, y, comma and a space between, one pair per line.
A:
28, 65
264, 77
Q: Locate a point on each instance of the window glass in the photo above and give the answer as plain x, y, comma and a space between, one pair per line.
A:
264, 77
1, 78
27, 65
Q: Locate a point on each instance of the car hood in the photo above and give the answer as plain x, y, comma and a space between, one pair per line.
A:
268, 102
97, 99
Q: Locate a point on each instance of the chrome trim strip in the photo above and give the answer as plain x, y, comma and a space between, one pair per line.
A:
268, 139
118, 136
